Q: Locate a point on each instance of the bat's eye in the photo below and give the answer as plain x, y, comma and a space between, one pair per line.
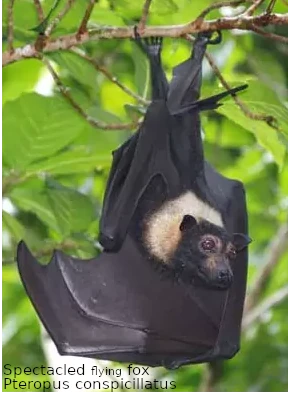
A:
232, 253
208, 244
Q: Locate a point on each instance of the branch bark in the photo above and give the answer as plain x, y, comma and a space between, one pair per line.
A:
10, 37
273, 36
253, 7
39, 10
83, 26
143, 20
241, 22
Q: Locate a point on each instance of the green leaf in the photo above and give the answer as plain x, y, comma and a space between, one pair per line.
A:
13, 225
225, 133
36, 202
35, 127
260, 99
71, 20
73, 211
75, 161
78, 68
24, 16
102, 115
19, 78
105, 17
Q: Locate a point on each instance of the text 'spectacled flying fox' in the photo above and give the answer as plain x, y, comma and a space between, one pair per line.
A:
169, 287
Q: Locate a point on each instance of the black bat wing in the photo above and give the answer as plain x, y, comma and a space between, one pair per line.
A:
231, 201
117, 307
147, 154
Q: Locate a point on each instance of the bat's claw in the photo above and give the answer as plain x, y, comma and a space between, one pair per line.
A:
212, 41
152, 46
216, 40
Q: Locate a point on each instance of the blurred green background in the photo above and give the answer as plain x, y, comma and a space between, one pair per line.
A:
55, 165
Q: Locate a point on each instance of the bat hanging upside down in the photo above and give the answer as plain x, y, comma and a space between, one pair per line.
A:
166, 202
164, 207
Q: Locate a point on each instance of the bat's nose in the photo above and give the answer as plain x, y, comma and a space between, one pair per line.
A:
225, 278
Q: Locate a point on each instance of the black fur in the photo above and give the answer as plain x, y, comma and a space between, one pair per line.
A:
188, 261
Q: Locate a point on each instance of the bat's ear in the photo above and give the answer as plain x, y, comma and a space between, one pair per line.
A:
188, 221
241, 241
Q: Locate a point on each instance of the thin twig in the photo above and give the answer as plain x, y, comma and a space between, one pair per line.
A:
212, 373
109, 76
10, 27
253, 7
269, 119
68, 41
275, 250
40, 40
58, 18
143, 20
215, 6
273, 36
257, 312
271, 6
83, 26
39, 10
66, 94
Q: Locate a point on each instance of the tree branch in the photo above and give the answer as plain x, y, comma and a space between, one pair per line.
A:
211, 376
39, 10
253, 7
271, 301
274, 252
110, 76
10, 27
271, 6
226, 23
215, 6
68, 97
83, 26
273, 36
269, 119
143, 20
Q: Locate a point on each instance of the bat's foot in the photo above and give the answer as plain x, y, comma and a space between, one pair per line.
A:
207, 36
152, 46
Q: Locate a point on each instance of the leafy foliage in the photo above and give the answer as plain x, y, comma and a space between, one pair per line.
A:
55, 164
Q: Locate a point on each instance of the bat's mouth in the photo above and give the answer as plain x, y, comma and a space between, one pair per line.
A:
222, 280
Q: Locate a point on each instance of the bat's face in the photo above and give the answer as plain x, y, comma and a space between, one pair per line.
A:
206, 252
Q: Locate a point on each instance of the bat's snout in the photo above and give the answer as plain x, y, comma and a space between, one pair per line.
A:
224, 279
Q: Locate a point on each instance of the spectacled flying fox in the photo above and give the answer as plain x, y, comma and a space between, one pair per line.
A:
164, 207
166, 203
